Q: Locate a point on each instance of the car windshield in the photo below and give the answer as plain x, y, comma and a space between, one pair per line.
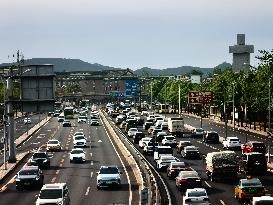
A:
50, 194
197, 194
39, 155
258, 145
251, 182
76, 151
109, 170
169, 138
79, 138
234, 140
133, 130
29, 172
199, 130
167, 158
53, 142
78, 133
82, 117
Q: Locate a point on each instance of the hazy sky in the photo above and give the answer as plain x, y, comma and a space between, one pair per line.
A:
134, 33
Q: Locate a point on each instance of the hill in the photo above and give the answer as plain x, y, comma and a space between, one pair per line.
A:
65, 64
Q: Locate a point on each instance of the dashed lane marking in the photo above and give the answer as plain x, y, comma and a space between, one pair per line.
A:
57, 172
222, 202
62, 160
53, 179
87, 191
61, 164
91, 163
63, 155
91, 154
207, 184
91, 174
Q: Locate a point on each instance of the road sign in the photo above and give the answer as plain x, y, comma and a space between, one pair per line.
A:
197, 97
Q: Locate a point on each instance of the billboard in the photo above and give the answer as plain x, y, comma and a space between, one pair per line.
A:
197, 97
131, 87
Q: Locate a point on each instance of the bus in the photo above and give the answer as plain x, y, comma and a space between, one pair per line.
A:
69, 112
162, 108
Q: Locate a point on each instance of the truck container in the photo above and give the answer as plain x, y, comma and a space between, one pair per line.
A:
176, 126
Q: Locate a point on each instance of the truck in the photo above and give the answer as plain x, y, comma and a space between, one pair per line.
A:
176, 126
222, 165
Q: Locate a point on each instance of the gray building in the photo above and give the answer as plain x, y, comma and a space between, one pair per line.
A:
241, 54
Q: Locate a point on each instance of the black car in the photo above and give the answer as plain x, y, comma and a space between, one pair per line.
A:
94, 122
40, 159
254, 163
138, 136
29, 176
190, 152
211, 137
66, 123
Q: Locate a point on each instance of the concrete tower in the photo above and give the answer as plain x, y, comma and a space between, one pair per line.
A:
241, 54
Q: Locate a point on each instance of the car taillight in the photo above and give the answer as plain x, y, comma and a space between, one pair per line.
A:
206, 199
182, 180
188, 200
251, 149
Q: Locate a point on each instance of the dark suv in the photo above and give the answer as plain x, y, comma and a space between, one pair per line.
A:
40, 159
29, 176
211, 137
254, 163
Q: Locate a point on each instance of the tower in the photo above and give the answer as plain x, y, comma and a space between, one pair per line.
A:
241, 54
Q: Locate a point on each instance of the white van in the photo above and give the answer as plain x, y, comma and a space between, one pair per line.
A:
262, 200
162, 150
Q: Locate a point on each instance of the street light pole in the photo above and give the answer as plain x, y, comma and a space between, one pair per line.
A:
151, 95
179, 101
269, 105
233, 106
165, 99
225, 117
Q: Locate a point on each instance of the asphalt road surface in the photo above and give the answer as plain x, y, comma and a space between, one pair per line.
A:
81, 178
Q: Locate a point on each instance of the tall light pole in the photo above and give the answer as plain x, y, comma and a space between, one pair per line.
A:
179, 101
151, 95
269, 105
233, 105
165, 106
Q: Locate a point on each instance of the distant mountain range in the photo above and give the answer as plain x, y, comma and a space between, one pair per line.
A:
68, 65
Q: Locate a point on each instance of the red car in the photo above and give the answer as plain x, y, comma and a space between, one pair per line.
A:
253, 146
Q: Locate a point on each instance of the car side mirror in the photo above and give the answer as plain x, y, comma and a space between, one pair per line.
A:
97, 172
120, 172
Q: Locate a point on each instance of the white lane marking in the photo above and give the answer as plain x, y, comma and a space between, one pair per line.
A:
91, 163
222, 202
87, 191
42, 134
91, 154
207, 184
58, 171
99, 141
91, 174
53, 179
127, 175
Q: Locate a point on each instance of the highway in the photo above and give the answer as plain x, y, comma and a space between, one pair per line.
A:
81, 178
219, 192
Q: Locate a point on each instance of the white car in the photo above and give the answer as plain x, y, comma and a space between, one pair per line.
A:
144, 141
77, 155
27, 120
108, 176
54, 145
56, 193
165, 161
82, 119
232, 143
132, 132
169, 140
196, 196
198, 132
79, 141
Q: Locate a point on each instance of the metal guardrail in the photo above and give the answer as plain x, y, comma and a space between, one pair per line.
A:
155, 190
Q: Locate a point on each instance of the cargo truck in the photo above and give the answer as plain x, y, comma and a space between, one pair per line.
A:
176, 126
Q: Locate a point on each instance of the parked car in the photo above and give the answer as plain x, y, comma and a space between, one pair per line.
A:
108, 176
253, 146
181, 144
40, 159
56, 193
29, 176
188, 180
190, 152
77, 155
196, 196
211, 137
198, 132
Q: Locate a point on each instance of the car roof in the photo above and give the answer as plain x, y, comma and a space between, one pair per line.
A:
53, 186
27, 167
196, 190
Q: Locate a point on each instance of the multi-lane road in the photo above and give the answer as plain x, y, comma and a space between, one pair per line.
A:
101, 150
81, 178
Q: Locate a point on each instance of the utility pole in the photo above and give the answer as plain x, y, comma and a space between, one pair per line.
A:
269, 105
179, 101
233, 105
12, 149
225, 117
165, 106
151, 95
